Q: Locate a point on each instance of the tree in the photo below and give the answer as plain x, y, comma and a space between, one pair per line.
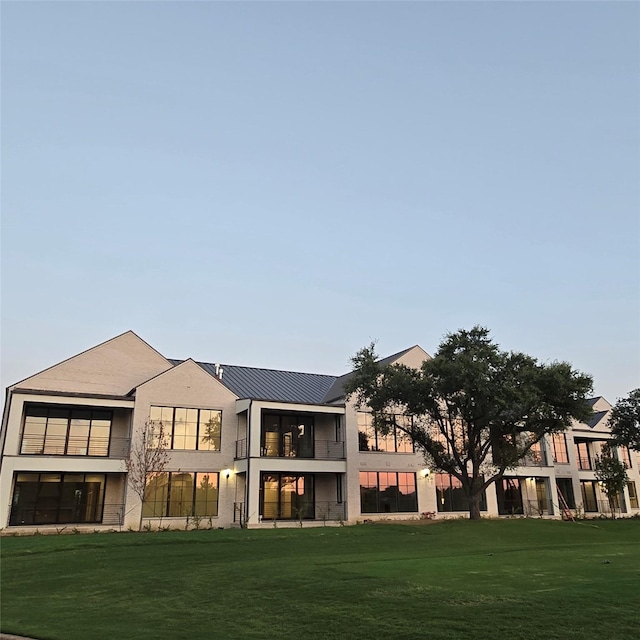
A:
148, 459
624, 421
612, 474
476, 410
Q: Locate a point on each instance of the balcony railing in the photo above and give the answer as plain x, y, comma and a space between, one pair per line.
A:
533, 508
535, 459
584, 463
324, 511
31, 514
63, 446
241, 449
322, 450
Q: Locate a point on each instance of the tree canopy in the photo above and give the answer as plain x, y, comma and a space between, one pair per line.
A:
625, 421
477, 410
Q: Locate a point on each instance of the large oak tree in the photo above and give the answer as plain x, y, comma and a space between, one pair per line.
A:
625, 421
477, 410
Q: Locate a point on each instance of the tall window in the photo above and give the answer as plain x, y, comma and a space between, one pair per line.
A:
181, 494
287, 435
625, 457
565, 487
56, 431
560, 451
509, 494
57, 498
388, 492
633, 494
584, 458
451, 495
285, 496
188, 429
589, 500
396, 441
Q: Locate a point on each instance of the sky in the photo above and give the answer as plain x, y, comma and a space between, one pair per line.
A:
276, 184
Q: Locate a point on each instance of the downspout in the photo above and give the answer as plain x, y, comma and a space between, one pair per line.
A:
246, 481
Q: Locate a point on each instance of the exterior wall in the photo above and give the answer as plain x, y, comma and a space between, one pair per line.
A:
114, 367
102, 376
189, 386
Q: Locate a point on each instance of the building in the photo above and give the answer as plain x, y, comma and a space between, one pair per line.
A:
247, 445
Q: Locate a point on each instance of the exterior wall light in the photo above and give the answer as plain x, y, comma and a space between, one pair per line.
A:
227, 473
425, 473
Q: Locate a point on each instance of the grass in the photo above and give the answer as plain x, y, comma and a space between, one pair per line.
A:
515, 579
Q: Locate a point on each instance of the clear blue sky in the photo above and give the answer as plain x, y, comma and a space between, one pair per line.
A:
275, 184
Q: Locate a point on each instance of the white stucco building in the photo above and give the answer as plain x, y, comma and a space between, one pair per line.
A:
249, 446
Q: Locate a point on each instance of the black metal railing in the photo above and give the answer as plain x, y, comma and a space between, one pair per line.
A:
535, 459
325, 511
238, 513
584, 463
535, 508
69, 446
32, 514
241, 449
321, 450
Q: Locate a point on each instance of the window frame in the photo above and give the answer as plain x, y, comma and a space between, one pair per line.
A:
369, 430
49, 409
397, 484
168, 504
170, 430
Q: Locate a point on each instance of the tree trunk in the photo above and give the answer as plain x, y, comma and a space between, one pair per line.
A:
474, 506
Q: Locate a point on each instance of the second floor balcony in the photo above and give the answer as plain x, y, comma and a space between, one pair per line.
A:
62, 445
314, 450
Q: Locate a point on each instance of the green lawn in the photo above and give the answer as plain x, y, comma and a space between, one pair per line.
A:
483, 580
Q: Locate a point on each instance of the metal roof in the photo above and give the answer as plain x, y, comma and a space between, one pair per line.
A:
271, 384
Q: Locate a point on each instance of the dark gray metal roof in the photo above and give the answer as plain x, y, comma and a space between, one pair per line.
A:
271, 384
336, 390
596, 418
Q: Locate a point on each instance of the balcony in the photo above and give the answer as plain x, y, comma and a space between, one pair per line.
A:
319, 511
33, 514
36, 445
319, 450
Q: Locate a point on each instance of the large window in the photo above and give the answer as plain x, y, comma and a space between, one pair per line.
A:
396, 441
509, 495
633, 494
584, 457
589, 500
565, 489
57, 431
560, 451
181, 494
188, 429
285, 496
57, 498
451, 496
287, 435
625, 457
388, 492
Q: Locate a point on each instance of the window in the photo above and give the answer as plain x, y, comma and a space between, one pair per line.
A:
60, 431
633, 495
387, 492
509, 494
565, 490
625, 457
589, 500
188, 429
584, 459
451, 496
396, 441
287, 435
285, 496
57, 498
560, 451
181, 494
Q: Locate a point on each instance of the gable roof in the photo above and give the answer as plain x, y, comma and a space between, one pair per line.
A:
336, 390
272, 384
